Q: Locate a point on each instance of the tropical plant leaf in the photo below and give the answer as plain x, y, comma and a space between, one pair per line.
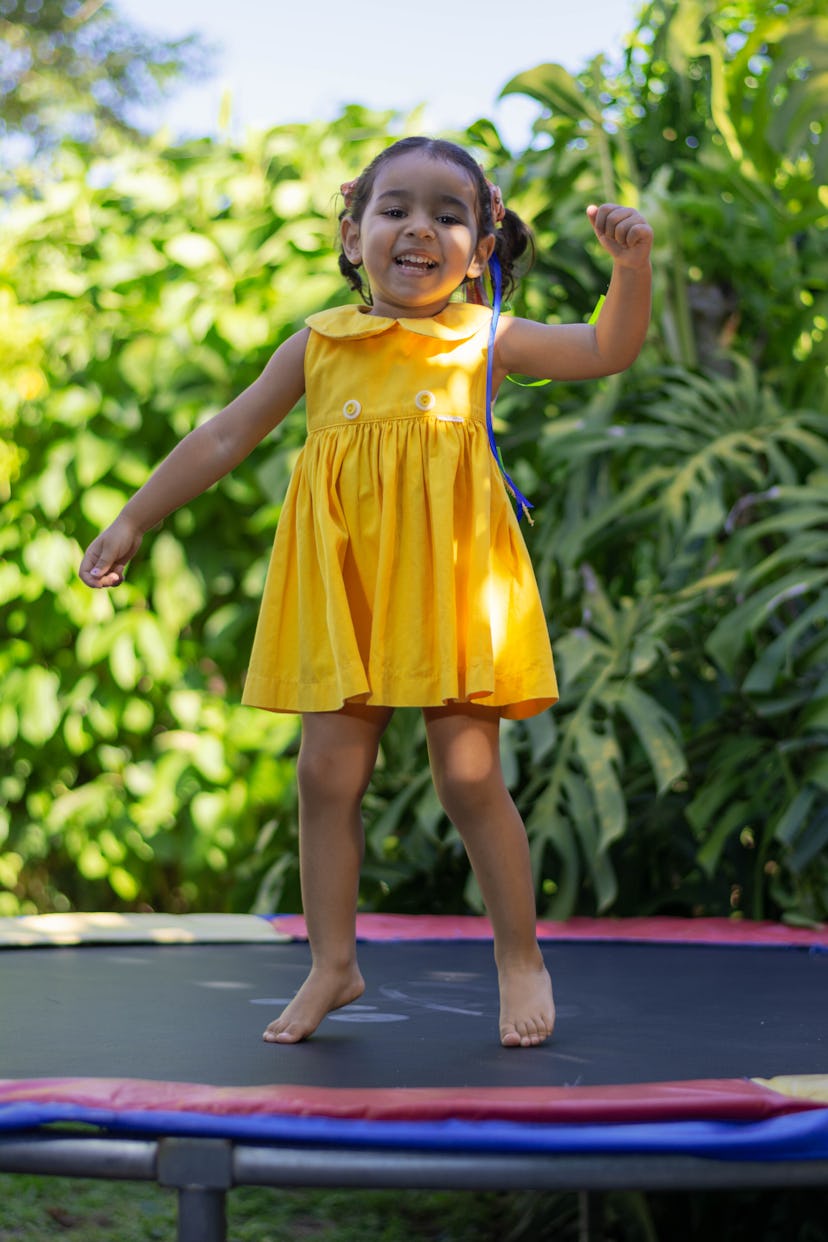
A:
657, 731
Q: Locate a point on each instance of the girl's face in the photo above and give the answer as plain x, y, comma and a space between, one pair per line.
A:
418, 238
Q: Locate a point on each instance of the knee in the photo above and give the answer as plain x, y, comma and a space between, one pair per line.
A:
467, 792
323, 774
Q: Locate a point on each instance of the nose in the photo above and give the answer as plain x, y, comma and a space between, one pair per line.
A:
419, 224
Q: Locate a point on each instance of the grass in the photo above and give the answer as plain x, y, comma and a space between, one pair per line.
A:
34, 1209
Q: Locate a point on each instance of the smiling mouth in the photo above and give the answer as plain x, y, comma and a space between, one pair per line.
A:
415, 262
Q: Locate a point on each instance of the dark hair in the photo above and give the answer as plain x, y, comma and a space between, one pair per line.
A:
512, 240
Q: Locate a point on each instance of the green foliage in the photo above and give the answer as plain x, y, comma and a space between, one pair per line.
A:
681, 508
681, 544
140, 292
82, 70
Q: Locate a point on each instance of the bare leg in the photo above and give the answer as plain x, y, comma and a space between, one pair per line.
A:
465, 761
336, 759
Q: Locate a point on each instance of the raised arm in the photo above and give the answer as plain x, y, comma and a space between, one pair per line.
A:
587, 351
201, 459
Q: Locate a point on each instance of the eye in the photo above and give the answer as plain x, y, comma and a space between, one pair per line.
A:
447, 218
396, 213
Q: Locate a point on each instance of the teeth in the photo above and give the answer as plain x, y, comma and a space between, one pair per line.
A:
417, 259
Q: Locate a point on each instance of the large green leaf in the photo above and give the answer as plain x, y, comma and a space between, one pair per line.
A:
555, 88
657, 731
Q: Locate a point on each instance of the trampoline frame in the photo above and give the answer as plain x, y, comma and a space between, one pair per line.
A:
203, 1170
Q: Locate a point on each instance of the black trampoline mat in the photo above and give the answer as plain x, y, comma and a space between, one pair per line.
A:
627, 1013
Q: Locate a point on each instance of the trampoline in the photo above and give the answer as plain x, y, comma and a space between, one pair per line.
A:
689, 1054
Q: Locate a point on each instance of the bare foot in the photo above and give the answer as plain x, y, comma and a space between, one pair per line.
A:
323, 991
527, 1010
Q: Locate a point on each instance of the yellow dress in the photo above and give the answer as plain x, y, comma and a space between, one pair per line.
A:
399, 575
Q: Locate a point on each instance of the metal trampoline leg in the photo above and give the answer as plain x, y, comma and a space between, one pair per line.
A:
590, 1217
201, 1215
201, 1170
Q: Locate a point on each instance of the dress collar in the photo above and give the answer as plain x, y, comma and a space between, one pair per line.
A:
458, 322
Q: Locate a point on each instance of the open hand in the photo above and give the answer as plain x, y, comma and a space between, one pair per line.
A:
107, 556
623, 232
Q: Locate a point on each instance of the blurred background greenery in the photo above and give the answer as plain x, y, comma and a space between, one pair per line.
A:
681, 509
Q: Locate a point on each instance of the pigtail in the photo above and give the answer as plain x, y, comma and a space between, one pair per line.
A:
513, 243
356, 194
353, 277
513, 239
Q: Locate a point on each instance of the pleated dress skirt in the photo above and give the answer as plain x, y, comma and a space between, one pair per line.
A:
399, 575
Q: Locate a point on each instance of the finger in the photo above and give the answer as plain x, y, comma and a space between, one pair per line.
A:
89, 570
98, 570
618, 222
111, 578
607, 213
635, 235
598, 216
640, 234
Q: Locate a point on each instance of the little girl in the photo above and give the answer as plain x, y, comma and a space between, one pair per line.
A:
399, 576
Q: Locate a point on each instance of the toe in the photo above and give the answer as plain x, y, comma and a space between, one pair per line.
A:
290, 1033
524, 1034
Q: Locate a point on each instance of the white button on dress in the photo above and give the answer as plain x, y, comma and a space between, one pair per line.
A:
425, 400
351, 408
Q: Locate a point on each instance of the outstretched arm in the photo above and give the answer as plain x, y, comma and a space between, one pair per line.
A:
587, 351
201, 459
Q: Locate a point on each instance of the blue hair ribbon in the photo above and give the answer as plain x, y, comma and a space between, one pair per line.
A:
523, 505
